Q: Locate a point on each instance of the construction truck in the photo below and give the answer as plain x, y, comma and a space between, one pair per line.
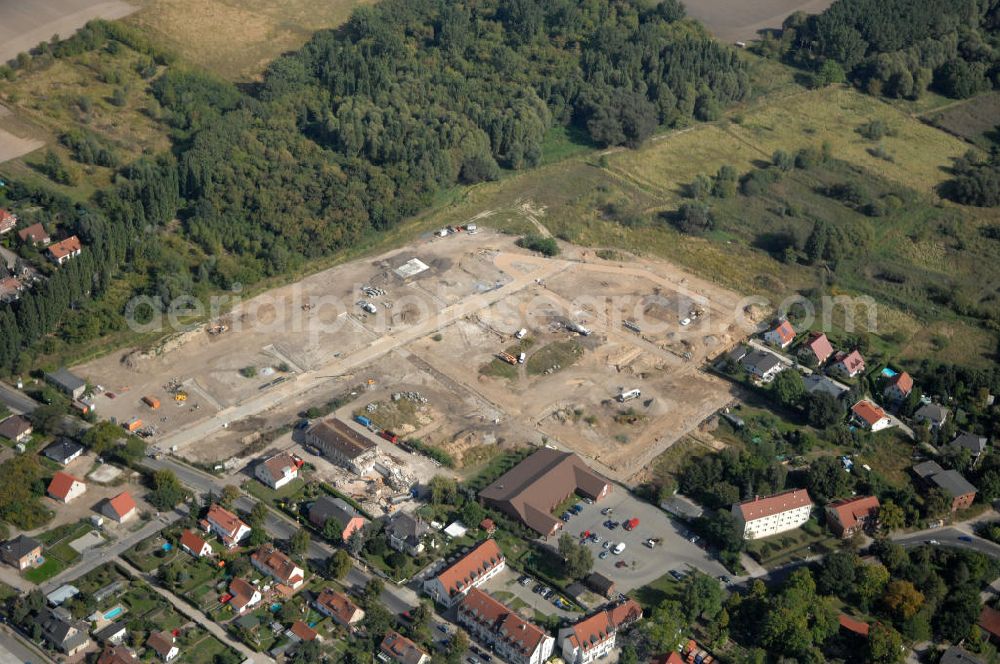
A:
508, 358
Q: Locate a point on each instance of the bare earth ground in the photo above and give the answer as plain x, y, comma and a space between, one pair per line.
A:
440, 328
741, 20
11, 145
26, 23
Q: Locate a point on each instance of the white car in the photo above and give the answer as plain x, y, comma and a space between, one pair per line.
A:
618, 548
522, 333
685, 322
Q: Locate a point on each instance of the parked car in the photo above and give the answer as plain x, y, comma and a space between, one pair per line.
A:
602, 555
678, 576
621, 563
538, 588
595, 538
725, 579
964, 538
606, 545
524, 580
606, 511
618, 548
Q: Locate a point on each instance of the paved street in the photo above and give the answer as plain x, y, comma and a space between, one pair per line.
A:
93, 558
951, 536
14, 651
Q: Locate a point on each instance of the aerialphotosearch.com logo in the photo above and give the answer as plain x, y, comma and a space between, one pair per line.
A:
677, 315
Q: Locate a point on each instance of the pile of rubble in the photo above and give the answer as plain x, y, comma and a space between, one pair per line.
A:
415, 397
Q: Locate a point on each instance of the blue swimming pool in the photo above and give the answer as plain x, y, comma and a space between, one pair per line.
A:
888, 373
113, 613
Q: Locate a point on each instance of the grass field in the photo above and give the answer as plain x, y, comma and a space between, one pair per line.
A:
238, 38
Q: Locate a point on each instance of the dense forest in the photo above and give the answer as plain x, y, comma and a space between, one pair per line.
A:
359, 129
898, 48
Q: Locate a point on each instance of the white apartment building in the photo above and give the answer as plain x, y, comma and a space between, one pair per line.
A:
763, 517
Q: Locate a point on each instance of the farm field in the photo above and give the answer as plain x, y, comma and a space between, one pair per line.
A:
742, 21
24, 24
974, 119
237, 38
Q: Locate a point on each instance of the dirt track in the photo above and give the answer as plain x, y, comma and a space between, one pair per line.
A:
741, 20
11, 146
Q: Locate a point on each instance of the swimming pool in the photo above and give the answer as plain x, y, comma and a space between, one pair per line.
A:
113, 613
888, 373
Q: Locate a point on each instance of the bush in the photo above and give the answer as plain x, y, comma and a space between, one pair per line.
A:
544, 245
694, 219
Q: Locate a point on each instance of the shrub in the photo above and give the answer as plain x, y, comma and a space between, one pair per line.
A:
544, 245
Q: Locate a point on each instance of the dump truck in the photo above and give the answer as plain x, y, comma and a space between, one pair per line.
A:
507, 357
152, 402
133, 425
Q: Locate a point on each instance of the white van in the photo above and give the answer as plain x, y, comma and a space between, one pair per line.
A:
628, 396
521, 358
522, 333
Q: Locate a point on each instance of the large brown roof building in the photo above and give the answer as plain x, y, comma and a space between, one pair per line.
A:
343, 445
533, 488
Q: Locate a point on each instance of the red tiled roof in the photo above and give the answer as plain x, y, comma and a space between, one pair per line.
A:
70, 245
759, 508
279, 565
122, 504
849, 511
303, 631
61, 484
7, 220
33, 233
903, 382
471, 566
785, 331
277, 464
400, 649
161, 642
672, 658
517, 632
868, 412
625, 613
820, 346
116, 655
192, 542
852, 361
596, 629
338, 604
242, 592
854, 625
224, 519
989, 620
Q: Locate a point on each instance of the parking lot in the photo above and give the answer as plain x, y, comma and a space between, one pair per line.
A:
641, 563
505, 587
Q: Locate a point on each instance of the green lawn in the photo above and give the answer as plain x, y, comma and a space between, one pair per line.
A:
655, 593
777, 550
274, 497
45, 571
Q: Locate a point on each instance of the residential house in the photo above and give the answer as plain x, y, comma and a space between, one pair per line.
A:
121, 508
268, 560
478, 565
299, 631
933, 414
600, 584
763, 517
116, 654
970, 441
229, 527
194, 544
533, 488
816, 349
340, 608
510, 636
951, 482
278, 470
21, 552
343, 445
854, 626
114, 633
898, 387
734, 357
781, 335
406, 533
8, 221
847, 365
818, 383
846, 517
989, 621
34, 234
956, 655
245, 595
348, 519
397, 648
594, 637
63, 451
67, 382
16, 429
11, 289
869, 416
763, 366
62, 252
164, 645
64, 634
669, 658
65, 488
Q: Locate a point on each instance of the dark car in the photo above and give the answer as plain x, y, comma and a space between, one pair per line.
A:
538, 588
964, 538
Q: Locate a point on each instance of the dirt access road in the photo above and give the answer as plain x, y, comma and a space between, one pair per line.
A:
741, 20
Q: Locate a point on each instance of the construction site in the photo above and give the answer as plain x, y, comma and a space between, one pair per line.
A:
464, 343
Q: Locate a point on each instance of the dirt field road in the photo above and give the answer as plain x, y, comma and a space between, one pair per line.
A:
23, 24
740, 20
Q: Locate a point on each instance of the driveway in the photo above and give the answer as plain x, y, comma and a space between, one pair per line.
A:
643, 565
